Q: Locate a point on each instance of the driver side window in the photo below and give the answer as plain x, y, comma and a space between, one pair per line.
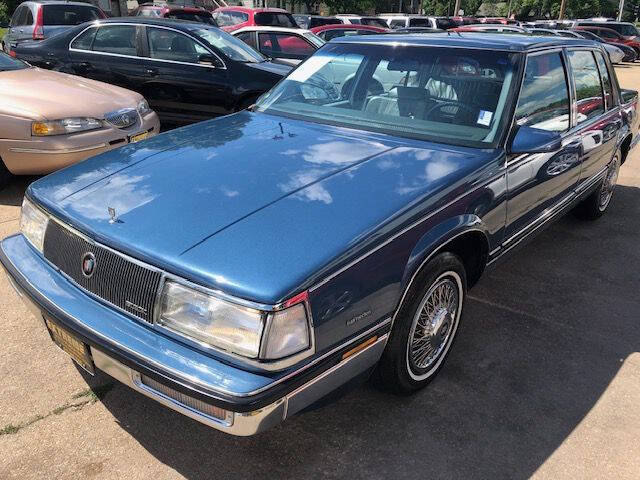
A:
544, 98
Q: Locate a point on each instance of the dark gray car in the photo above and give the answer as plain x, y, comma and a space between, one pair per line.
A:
42, 19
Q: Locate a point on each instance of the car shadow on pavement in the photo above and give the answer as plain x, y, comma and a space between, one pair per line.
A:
543, 336
12, 192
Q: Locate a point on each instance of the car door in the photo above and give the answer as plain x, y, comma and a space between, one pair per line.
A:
597, 116
539, 184
109, 53
179, 85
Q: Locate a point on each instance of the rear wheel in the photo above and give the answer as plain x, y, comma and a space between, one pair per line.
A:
425, 326
594, 206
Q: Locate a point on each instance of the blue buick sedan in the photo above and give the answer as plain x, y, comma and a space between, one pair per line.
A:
240, 269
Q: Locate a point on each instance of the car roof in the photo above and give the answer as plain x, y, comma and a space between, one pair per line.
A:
249, 10
515, 42
267, 28
58, 2
160, 21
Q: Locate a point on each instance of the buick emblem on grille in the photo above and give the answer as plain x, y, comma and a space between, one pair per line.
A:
88, 264
122, 118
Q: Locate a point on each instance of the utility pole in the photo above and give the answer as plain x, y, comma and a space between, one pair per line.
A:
456, 9
562, 5
620, 9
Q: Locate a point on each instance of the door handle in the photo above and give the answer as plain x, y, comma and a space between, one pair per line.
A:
85, 65
151, 71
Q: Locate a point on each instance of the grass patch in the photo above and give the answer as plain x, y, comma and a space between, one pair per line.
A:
86, 397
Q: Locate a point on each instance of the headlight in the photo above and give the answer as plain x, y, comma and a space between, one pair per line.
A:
64, 126
237, 329
33, 223
210, 320
144, 108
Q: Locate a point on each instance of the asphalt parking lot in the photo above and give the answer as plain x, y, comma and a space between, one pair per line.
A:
544, 381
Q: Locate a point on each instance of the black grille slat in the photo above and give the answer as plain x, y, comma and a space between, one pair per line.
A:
116, 279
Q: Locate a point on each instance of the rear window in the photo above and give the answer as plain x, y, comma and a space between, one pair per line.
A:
317, 22
202, 17
375, 22
275, 19
229, 18
69, 14
445, 23
419, 22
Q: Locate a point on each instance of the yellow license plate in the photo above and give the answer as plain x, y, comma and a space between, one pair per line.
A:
69, 344
138, 137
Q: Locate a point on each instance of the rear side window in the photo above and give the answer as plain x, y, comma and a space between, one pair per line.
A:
589, 101
544, 98
69, 14
119, 39
419, 22
606, 81
85, 40
29, 18
397, 24
275, 19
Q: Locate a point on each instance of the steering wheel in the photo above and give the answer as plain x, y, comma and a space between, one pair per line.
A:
449, 103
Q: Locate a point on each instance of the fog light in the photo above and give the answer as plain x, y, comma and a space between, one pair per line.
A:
186, 401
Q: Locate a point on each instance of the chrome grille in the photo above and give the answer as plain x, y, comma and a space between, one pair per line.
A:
115, 279
122, 118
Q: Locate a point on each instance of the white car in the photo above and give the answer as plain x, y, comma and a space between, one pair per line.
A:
397, 20
288, 46
360, 20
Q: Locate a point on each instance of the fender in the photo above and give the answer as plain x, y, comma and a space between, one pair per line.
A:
434, 240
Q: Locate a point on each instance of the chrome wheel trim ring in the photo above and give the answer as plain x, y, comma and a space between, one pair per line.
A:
449, 279
609, 184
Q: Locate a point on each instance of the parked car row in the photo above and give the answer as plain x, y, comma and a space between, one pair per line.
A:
241, 269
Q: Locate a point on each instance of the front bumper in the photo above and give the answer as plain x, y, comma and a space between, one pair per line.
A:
42, 155
126, 349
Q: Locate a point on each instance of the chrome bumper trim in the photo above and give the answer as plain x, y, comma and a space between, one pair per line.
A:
57, 152
250, 423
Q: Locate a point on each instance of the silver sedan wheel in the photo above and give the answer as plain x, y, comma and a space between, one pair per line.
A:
434, 325
609, 184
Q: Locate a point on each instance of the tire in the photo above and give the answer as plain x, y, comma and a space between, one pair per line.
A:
404, 368
594, 206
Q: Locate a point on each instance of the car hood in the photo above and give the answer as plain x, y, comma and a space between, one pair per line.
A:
230, 203
67, 95
271, 67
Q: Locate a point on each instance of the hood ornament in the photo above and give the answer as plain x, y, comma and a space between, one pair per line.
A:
112, 214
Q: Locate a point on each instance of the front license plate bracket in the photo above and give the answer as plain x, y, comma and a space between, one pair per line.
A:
70, 344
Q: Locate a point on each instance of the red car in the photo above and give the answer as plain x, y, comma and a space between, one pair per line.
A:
160, 10
497, 20
327, 32
233, 18
611, 36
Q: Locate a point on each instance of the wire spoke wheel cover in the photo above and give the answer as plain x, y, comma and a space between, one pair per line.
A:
434, 325
609, 184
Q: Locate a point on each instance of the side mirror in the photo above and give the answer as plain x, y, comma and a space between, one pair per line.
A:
535, 140
208, 59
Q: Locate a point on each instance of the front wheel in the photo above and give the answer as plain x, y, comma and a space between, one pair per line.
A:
594, 206
425, 326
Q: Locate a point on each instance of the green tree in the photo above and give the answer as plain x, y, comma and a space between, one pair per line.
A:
438, 7
349, 6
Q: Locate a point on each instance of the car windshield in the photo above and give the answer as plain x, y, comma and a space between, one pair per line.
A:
626, 29
232, 47
10, 63
69, 14
314, 39
275, 19
448, 95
